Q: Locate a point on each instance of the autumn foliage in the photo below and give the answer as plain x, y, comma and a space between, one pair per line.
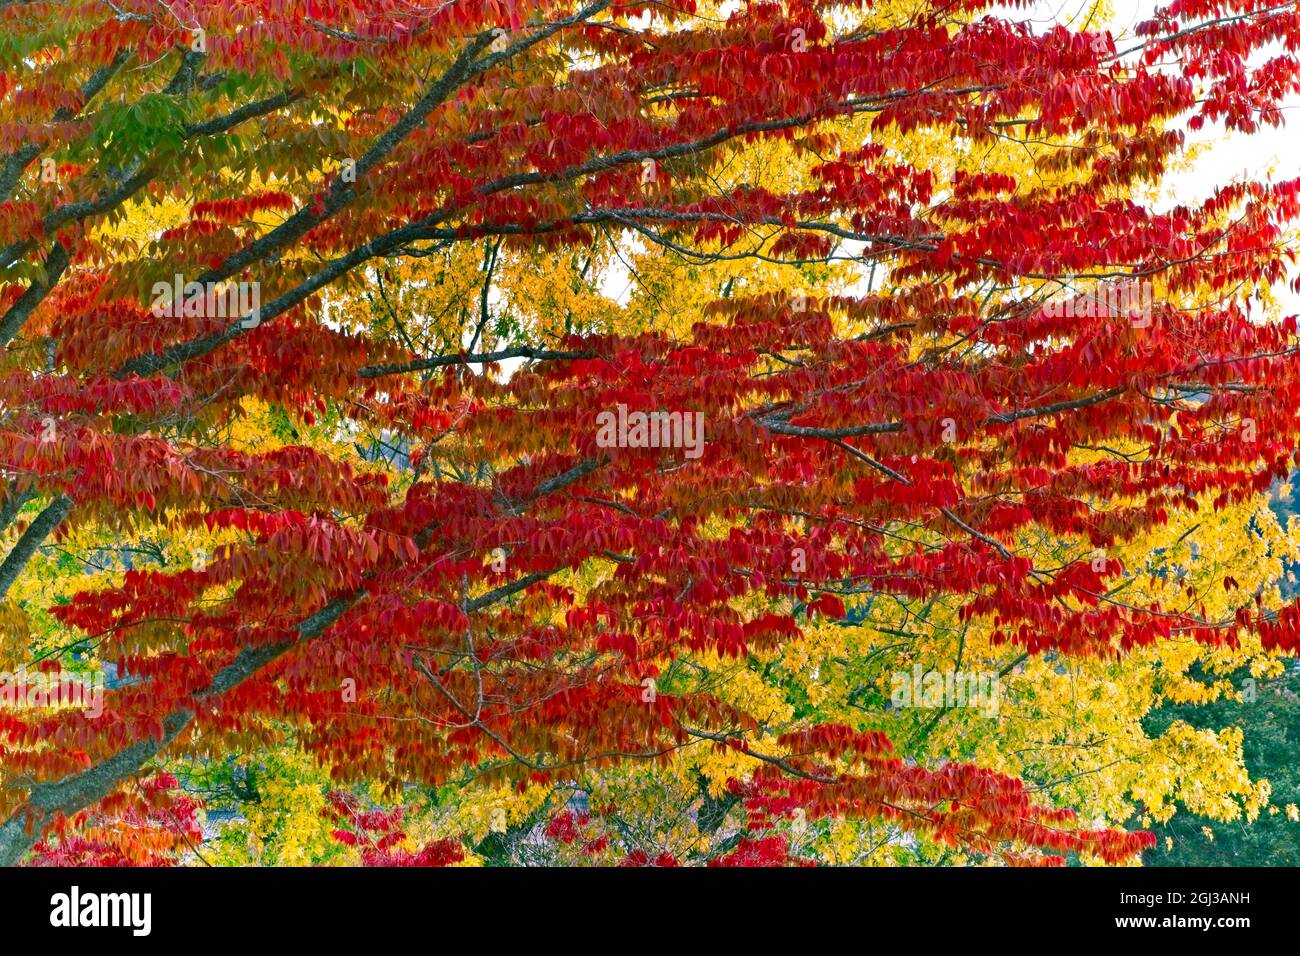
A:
506, 606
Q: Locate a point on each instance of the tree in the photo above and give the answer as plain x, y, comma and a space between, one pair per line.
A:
1269, 720
512, 603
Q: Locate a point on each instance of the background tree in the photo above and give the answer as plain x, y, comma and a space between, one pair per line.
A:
1268, 720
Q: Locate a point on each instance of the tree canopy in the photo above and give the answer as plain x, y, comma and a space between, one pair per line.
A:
319, 428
